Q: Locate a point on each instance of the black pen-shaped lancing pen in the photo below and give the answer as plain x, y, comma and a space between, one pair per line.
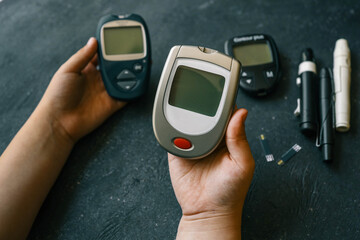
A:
326, 115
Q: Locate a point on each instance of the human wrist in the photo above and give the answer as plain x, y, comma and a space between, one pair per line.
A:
45, 121
211, 225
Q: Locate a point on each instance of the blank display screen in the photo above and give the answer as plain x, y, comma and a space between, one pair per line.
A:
123, 40
253, 54
196, 90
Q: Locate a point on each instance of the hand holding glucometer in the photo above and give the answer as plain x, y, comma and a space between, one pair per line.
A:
124, 55
194, 100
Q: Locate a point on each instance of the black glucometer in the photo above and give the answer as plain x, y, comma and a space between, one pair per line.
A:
124, 55
259, 59
194, 100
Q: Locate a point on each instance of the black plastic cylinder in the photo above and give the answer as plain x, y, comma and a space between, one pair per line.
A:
309, 100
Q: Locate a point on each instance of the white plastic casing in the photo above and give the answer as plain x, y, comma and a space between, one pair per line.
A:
204, 133
342, 82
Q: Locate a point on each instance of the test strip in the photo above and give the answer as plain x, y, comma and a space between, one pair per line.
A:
265, 146
289, 154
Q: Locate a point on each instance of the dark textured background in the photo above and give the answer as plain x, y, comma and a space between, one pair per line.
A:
116, 184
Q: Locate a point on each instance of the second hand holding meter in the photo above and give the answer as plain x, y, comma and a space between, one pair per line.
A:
194, 100
124, 55
259, 59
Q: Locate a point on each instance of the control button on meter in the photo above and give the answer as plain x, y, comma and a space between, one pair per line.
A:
126, 85
137, 67
247, 74
247, 81
269, 77
269, 74
182, 143
125, 74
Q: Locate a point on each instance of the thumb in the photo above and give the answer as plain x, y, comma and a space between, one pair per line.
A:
236, 141
79, 60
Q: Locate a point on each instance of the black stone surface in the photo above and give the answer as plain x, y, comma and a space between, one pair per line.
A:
116, 184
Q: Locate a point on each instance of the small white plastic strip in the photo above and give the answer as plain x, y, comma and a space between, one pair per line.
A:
307, 66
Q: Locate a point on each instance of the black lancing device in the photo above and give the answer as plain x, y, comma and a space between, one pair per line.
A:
124, 53
259, 57
326, 115
307, 103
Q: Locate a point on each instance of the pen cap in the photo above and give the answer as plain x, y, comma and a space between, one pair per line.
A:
342, 80
307, 55
342, 49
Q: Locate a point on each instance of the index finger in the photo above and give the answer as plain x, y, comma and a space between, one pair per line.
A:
81, 58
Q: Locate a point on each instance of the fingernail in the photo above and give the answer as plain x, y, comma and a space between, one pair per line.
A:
90, 41
245, 116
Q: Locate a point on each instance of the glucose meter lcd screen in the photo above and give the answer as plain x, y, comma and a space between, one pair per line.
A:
253, 54
123, 40
196, 90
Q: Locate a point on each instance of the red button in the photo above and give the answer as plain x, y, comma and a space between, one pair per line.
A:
182, 143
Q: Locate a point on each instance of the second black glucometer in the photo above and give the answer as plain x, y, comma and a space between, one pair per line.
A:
124, 55
194, 100
259, 59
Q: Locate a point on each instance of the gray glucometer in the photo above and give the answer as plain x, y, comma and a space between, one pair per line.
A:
194, 100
